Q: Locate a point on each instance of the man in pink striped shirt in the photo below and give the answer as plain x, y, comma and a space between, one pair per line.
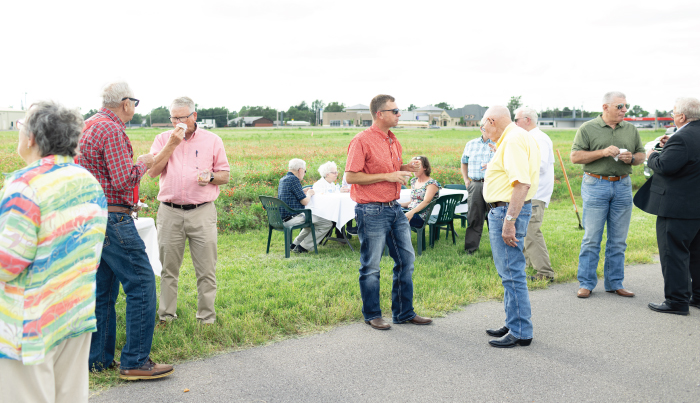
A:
192, 164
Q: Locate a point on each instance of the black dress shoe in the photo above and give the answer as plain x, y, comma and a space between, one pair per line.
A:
498, 332
694, 302
664, 308
508, 341
300, 249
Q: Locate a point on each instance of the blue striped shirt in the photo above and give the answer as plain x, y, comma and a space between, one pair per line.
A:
477, 152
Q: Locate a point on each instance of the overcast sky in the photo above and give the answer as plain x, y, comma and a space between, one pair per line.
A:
279, 53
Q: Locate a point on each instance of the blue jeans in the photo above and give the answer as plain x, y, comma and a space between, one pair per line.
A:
378, 226
124, 261
510, 264
611, 202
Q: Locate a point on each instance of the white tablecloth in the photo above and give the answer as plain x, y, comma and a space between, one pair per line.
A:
338, 207
147, 231
461, 208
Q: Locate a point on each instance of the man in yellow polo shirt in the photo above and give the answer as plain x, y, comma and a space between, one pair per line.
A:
510, 183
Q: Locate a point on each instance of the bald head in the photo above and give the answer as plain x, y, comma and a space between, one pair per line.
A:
496, 119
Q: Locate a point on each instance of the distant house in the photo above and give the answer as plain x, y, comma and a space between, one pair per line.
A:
472, 115
9, 118
356, 115
250, 121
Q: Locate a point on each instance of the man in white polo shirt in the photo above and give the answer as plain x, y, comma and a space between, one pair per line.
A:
536, 253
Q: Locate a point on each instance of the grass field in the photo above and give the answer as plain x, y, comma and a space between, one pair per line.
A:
264, 297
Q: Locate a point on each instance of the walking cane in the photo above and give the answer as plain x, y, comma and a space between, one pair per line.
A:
570, 192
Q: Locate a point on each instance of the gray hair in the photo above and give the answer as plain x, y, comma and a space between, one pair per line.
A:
690, 107
608, 98
113, 93
527, 112
183, 102
326, 168
296, 164
56, 129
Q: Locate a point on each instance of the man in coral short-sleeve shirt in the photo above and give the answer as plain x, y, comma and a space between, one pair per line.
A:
192, 164
376, 172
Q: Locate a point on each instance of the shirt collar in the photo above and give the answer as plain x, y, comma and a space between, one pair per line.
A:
602, 123
505, 133
376, 130
113, 116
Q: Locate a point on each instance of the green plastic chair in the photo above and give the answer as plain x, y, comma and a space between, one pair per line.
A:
462, 217
420, 231
273, 205
444, 219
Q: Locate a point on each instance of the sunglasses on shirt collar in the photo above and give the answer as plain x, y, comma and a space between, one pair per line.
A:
394, 111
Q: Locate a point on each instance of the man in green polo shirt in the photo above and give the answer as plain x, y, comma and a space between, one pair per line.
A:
607, 147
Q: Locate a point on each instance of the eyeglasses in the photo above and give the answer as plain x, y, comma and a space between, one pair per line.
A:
394, 111
673, 115
482, 128
132, 99
620, 106
524, 117
334, 173
20, 122
181, 118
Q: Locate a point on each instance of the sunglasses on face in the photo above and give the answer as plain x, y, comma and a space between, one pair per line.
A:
620, 106
394, 111
132, 99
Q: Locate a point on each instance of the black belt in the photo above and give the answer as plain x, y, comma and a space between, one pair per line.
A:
184, 206
385, 204
476, 180
287, 218
501, 204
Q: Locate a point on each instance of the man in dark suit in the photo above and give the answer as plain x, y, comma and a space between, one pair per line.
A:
674, 189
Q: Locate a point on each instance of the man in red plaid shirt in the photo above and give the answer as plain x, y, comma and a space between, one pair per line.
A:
106, 152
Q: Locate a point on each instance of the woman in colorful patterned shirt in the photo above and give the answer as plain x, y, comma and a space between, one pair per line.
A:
53, 215
423, 190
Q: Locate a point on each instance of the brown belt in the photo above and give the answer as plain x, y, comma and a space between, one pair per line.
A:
607, 178
118, 209
501, 204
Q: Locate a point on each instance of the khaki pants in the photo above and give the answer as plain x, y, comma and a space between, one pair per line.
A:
304, 238
62, 377
535, 249
175, 226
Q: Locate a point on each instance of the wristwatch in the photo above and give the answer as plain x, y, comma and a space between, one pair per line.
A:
632, 162
511, 218
211, 178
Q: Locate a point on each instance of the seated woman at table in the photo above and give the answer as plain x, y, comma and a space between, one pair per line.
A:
423, 190
329, 174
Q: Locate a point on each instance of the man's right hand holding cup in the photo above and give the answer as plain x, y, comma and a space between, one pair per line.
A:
399, 176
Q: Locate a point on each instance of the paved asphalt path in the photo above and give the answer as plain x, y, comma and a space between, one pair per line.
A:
604, 348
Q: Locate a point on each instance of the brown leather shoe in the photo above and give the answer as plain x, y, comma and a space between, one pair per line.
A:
583, 293
623, 293
417, 320
149, 370
379, 324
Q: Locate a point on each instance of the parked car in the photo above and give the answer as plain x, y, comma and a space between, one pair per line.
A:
671, 130
433, 127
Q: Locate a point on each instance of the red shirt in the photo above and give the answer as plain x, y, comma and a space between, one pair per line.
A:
373, 152
106, 152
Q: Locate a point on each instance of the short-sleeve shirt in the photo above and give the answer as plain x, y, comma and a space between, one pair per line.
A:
477, 152
418, 194
517, 158
290, 192
374, 152
203, 151
597, 135
546, 186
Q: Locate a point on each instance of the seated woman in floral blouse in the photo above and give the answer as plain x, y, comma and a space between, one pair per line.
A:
423, 190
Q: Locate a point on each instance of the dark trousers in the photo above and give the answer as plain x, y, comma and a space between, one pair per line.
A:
679, 249
475, 216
